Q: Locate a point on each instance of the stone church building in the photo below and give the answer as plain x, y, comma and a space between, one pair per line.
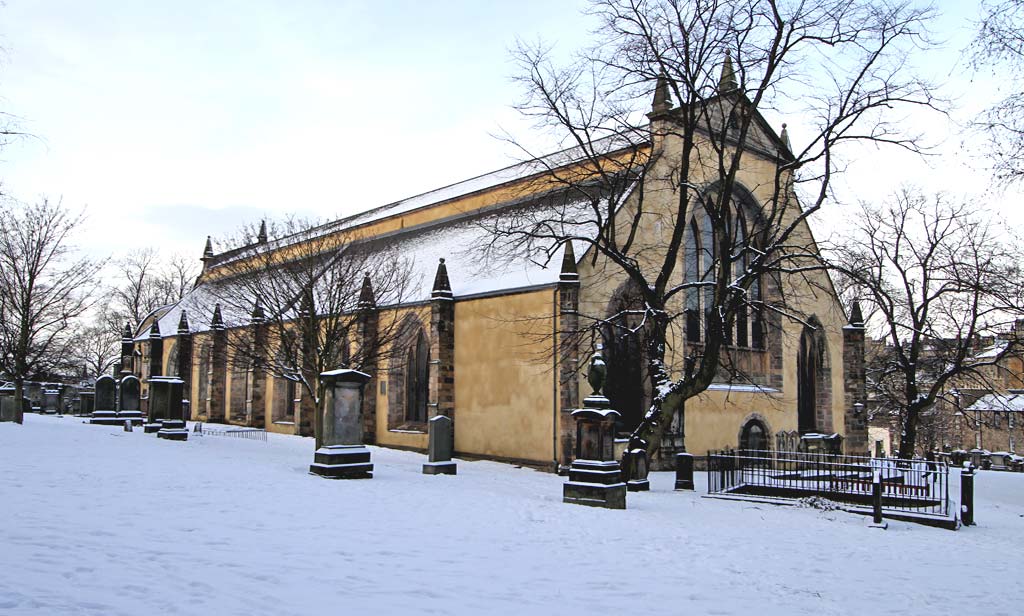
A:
483, 338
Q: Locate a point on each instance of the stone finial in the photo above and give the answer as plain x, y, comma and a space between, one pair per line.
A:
208, 250
727, 82
367, 300
784, 136
442, 288
127, 333
218, 321
856, 316
569, 273
257, 312
597, 372
662, 96
183, 324
261, 238
154, 329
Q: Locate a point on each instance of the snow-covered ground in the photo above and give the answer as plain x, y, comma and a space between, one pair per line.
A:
94, 520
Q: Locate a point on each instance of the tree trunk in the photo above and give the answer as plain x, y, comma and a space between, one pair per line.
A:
908, 439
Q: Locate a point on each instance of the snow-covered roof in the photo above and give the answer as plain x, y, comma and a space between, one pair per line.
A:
998, 402
476, 264
520, 171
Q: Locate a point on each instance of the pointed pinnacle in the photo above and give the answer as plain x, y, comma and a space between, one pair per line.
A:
218, 321
257, 312
366, 296
442, 288
662, 97
183, 323
727, 82
262, 236
784, 136
127, 334
208, 250
569, 273
856, 316
154, 329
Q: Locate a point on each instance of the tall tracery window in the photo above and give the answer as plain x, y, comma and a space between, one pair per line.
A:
691, 273
699, 255
203, 374
417, 374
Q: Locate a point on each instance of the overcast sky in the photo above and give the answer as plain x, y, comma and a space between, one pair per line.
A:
172, 121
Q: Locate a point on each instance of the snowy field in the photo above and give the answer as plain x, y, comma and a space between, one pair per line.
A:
94, 520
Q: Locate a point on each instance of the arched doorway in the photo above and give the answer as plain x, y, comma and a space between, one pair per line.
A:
754, 437
624, 353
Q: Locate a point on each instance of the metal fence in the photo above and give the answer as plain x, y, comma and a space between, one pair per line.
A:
253, 434
908, 486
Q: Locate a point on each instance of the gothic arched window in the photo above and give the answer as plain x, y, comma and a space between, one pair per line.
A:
417, 375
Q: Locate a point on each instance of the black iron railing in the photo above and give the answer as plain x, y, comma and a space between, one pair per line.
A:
254, 434
911, 486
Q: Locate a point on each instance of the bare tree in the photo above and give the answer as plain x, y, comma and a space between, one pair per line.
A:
309, 288
999, 43
147, 282
43, 287
838, 63
939, 281
95, 346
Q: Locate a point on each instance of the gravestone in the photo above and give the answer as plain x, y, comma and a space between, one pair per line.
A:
129, 400
684, 471
636, 461
340, 451
165, 409
105, 412
34, 392
440, 447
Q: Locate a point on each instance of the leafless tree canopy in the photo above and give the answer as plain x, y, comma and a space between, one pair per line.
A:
307, 287
838, 64
146, 282
44, 288
936, 278
1000, 43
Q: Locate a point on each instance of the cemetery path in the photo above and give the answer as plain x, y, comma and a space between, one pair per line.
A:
99, 521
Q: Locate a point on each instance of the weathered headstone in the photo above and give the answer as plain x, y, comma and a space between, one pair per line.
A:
129, 400
440, 446
636, 462
105, 412
684, 471
340, 451
165, 408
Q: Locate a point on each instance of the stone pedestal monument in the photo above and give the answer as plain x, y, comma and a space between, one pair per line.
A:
595, 477
165, 408
440, 447
340, 451
105, 413
129, 400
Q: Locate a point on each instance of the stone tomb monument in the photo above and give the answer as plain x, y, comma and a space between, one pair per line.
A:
51, 399
10, 407
129, 397
86, 401
595, 476
165, 408
105, 413
340, 451
440, 447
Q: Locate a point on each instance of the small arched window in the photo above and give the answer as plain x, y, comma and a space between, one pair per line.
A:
416, 379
